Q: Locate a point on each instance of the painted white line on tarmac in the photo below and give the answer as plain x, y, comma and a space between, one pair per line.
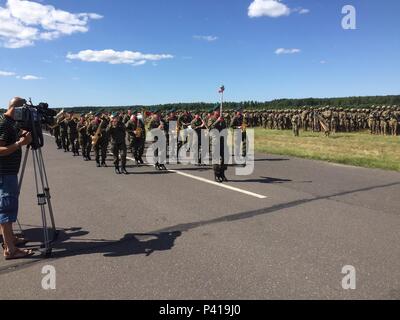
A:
187, 175
221, 185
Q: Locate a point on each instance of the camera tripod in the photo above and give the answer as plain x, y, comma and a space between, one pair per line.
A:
43, 196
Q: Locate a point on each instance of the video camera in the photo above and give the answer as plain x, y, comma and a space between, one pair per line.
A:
31, 118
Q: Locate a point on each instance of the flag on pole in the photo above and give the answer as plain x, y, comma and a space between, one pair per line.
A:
222, 89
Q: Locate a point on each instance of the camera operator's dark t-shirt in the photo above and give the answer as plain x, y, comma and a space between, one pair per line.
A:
9, 165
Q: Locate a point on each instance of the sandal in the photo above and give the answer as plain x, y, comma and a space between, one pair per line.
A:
18, 254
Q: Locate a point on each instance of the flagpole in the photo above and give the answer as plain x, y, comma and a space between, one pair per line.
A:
222, 102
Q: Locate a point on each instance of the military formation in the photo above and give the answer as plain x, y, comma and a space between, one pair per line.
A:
97, 132
125, 131
380, 120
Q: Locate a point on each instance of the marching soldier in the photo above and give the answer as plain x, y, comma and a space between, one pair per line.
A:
135, 130
197, 125
97, 131
217, 122
63, 133
83, 138
117, 132
240, 122
171, 117
73, 134
157, 123
57, 137
184, 121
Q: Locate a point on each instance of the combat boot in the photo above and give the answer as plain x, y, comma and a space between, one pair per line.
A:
117, 171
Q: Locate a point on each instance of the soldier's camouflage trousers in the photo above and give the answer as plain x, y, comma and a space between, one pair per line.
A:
86, 147
384, 127
57, 138
295, 130
64, 141
100, 149
116, 149
73, 140
393, 127
136, 145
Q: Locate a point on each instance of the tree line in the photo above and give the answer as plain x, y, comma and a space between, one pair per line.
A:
346, 102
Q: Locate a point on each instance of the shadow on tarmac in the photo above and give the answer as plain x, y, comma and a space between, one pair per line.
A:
69, 244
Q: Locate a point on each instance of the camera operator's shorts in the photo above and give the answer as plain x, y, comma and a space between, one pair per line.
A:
9, 193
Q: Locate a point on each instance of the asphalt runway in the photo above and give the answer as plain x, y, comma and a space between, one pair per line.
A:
285, 232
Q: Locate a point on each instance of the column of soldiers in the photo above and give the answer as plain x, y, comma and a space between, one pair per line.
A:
126, 131
95, 132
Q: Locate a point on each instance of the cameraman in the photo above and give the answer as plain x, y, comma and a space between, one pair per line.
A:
10, 161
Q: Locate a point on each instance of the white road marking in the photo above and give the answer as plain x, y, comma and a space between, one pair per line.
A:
187, 175
256, 195
221, 185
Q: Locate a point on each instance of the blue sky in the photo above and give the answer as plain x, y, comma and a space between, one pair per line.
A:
183, 50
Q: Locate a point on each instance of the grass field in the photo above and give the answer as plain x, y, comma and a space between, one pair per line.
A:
358, 149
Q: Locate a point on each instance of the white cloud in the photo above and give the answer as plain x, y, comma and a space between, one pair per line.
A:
322, 62
269, 8
139, 63
117, 57
30, 77
286, 51
272, 8
304, 11
23, 22
6, 74
206, 38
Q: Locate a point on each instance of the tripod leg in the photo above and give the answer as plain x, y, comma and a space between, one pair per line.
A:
46, 243
20, 228
21, 178
41, 195
47, 191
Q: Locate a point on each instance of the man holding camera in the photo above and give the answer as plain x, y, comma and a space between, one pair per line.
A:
11, 141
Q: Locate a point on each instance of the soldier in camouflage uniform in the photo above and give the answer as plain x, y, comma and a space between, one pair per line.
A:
116, 130
295, 124
197, 125
393, 122
156, 122
135, 130
100, 148
73, 134
218, 123
57, 135
64, 133
372, 121
170, 117
184, 121
239, 122
384, 121
84, 138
